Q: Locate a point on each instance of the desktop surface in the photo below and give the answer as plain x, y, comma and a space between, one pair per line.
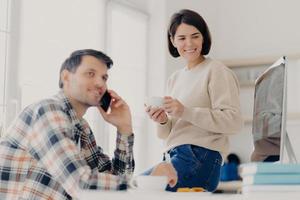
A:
137, 195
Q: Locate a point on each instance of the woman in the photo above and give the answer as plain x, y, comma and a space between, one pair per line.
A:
201, 108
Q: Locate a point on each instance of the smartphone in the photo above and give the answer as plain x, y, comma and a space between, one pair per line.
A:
105, 101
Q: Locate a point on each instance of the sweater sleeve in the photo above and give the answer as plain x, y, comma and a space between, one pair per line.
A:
163, 130
224, 115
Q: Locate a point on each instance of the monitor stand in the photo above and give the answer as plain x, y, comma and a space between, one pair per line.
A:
289, 150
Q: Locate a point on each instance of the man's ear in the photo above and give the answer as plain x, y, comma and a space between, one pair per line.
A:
65, 76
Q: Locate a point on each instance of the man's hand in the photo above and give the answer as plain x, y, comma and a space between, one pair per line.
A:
166, 169
119, 114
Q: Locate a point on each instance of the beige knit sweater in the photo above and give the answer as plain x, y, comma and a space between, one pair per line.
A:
210, 95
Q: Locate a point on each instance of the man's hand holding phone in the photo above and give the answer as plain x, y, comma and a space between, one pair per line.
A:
105, 101
119, 114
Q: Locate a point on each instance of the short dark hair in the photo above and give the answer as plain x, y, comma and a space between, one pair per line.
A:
74, 60
191, 18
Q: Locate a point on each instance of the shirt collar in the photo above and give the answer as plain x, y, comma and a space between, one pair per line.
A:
68, 108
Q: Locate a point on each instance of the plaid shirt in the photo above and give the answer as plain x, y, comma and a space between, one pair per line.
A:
49, 153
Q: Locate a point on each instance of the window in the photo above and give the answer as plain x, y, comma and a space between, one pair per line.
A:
127, 45
51, 38
4, 35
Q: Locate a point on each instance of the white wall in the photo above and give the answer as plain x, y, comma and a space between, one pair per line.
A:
247, 29
128, 77
43, 34
4, 38
156, 72
53, 29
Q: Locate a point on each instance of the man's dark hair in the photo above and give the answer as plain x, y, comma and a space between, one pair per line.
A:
74, 60
191, 18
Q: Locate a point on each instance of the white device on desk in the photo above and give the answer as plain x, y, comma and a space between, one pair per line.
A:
270, 110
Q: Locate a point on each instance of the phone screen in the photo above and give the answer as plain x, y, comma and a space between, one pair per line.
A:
105, 101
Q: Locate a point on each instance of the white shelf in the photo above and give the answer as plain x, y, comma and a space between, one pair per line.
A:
246, 62
290, 116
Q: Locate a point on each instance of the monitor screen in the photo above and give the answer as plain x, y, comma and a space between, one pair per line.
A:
269, 112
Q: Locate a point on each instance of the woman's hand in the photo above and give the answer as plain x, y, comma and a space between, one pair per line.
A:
173, 107
157, 114
166, 169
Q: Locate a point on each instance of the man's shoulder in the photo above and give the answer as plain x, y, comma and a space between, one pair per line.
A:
49, 108
45, 105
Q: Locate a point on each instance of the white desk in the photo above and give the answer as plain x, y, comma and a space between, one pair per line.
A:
138, 195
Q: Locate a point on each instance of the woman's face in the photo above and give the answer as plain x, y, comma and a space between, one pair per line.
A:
188, 41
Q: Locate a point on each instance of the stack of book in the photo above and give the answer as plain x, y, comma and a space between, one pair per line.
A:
270, 177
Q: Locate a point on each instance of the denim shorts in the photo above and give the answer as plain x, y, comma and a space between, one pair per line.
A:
196, 167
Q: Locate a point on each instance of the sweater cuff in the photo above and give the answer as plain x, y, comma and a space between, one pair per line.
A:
167, 123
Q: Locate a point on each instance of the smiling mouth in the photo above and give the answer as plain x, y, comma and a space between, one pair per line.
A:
190, 50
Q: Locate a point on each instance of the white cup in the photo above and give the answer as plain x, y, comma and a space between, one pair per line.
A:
153, 183
155, 101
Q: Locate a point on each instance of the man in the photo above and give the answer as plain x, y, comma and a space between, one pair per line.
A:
50, 151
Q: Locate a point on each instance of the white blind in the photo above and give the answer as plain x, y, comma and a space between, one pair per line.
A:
127, 45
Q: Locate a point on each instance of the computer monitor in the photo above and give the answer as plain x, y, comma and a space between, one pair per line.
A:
269, 115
